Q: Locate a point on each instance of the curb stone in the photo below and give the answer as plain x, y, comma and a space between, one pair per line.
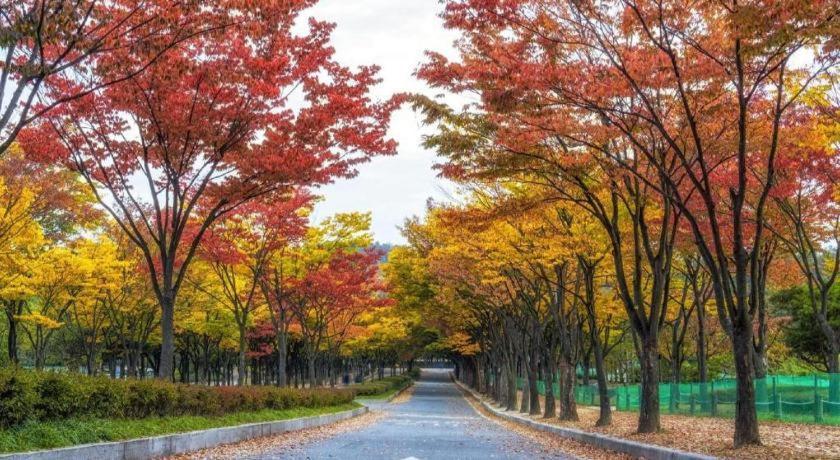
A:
632, 448
172, 444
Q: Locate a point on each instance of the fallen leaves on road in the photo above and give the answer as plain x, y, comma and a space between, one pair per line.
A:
282, 443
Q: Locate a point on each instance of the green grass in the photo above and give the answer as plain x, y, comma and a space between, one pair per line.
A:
62, 433
384, 395
382, 388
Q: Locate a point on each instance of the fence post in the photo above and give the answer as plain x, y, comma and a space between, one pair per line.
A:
777, 406
618, 399
818, 409
691, 402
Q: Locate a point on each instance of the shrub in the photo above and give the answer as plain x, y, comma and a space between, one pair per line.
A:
378, 387
60, 397
17, 397
32, 396
150, 397
198, 400
105, 399
281, 398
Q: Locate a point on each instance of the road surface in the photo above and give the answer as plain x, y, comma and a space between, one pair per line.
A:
436, 423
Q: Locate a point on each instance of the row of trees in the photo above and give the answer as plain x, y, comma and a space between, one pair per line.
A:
652, 163
176, 146
267, 288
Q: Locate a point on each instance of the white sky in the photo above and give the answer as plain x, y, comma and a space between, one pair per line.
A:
392, 34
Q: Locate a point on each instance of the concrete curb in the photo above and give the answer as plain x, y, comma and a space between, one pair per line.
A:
632, 448
159, 446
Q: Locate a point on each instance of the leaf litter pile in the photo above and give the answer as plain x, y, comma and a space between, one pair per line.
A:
713, 436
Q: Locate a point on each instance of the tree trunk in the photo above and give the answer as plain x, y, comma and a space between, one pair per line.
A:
568, 405
550, 410
90, 363
311, 363
702, 367
746, 420
524, 404
282, 345
585, 366
596, 348
605, 411
511, 385
533, 392
12, 310
676, 358
39, 358
649, 400
240, 365
167, 345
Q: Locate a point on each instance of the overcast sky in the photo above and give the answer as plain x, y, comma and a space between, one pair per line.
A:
392, 34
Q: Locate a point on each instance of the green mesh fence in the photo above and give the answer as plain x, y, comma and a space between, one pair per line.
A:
802, 399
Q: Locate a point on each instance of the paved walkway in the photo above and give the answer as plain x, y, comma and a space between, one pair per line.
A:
436, 423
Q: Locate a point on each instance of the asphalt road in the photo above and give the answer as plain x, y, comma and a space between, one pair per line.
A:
436, 423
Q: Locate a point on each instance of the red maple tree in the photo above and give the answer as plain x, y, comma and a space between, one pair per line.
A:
689, 101
53, 50
211, 127
327, 298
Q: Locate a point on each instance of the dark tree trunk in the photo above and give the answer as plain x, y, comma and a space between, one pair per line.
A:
596, 347
525, 402
746, 420
568, 406
165, 369
241, 371
585, 366
675, 378
311, 363
533, 392
702, 367
605, 411
13, 309
511, 385
550, 410
649, 400
282, 346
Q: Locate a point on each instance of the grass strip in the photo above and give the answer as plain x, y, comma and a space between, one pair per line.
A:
70, 432
384, 395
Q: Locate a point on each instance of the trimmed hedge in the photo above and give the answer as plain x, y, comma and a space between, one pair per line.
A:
378, 387
34, 396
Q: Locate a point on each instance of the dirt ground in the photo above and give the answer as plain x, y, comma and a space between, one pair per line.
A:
714, 435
